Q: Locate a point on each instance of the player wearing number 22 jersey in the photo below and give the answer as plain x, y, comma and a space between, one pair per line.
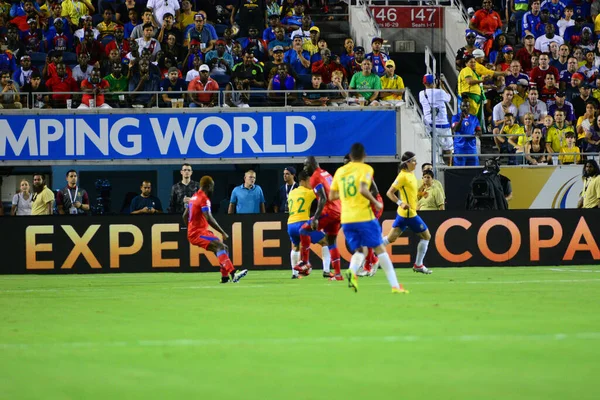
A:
326, 218
351, 184
199, 218
299, 202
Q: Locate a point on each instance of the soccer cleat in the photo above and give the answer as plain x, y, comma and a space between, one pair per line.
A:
328, 275
224, 279
374, 269
422, 269
237, 275
400, 289
362, 272
352, 280
336, 278
302, 266
296, 276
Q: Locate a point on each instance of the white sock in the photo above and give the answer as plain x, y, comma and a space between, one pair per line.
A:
421, 250
388, 267
356, 261
385, 241
294, 258
326, 258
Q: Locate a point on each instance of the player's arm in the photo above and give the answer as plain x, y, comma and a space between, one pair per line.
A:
213, 223
391, 194
320, 190
364, 190
374, 189
185, 216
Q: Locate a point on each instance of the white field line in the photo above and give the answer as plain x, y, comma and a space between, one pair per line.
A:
572, 270
551, 337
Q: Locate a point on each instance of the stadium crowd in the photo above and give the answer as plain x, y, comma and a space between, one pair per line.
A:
531, 78
160, 48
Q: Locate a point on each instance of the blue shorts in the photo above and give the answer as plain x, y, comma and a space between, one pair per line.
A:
294, 233
415, 224
359, 234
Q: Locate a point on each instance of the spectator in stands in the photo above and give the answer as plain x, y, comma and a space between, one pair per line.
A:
507, 139
268, 34
365, 80
573, 86
282, 80
348, 52
86, 24
59, 38
9, 92
355, 65
173, 49
147, 41
21, 202
591, 141
61, 82
192, 53
35, 85
312, 43
505, 59
247, 198
338, 89
280, 40
542, 43
549, 90
535, 150
132, 24
43, 198
195, 71
92, 47
538, 74
561, 63
377, 57
72, 199
470, 37
182, 191
469, 85
186, 17
585, 123
566, 21
168, 28
7, 57
93, 89
533, 105
117, 82
143, 80
589, 70
122, 11
485, 23
465, 123
220, 62
302, 29
531, 19
256, 44
146, 203
147, 18
524, 55
572, 33
107, 26
501, 109
249, 72
515, 75
390, 85
172, 83
82, 70
580, 101
569, 153
237, 95
313, 95
281, 203
201, 85
496, 49
586, 40
326, 66
518, 9
560, 103
248, 13
270, 67
555, 138
160, 8
565, 75
119, 43
33, 37
23, 73
75, 9
201, 33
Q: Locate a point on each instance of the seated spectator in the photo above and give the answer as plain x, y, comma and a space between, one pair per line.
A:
580, 101
535, 150
61, 82
247, 198
219, 58
268, 34
195, 71
282, 80
134, 53
86, 24
23, 73
270, 67
298, 58
147, 18
147, 41
538, 74
33, 37
236, 94
92, 47
117, 82
565, 75
93, 89
327, 65
83, 69
143, 80
146, 203
58, 37
119, 43
547, 123
556, 136
106, 65
355, 65
186, 17
585, 123
249, 72
107, 26
161, 9
365, 80
573, 87
533, 105
75, 10
589, 70
505, 59
280, 40
515, 75
172, 83
236, 52
123, 10
566, 21
165, 64
495, 52
549, 90
193, 53
569, 153
391, 81
201, 86
130, 26
591, 143
35, 85
542, 43
168, 28
348, 52
338, 89
586, 40
201, 33
507, 139
520, 92
27, 11
256, 44
173, 49
377, 57
524, 55
9, 92
560, 103
561, 63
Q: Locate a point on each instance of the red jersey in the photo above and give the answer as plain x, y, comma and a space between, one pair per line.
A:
322, 179
86, 84
197, 224
487, 21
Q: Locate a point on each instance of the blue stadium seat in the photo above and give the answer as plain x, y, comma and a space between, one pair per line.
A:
38, 60
69, 58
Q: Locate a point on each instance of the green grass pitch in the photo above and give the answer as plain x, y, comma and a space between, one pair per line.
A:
461, 333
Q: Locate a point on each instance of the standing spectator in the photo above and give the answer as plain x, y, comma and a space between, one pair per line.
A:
590, 197
366, 80
524, 55
187, 15
72, 199
312, 43
162, 7
377, 57
42, 196
75, 9
145, 203
435, 99
247, 198
470, 37
469, 85
465, 124
182, 191
531, 19
281, 204
130, 26
21, 202
248, 13
144, 81
485, 23
391, 81
9, 92
201, 86
93, 89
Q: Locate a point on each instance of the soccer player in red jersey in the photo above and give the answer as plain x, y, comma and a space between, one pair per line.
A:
326, 218
198, 217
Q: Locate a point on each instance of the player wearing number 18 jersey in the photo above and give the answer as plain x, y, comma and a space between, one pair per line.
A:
199, 217
326, 218
351, 185
299, 202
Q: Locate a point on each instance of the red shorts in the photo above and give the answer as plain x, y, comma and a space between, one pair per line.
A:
329, 224
377, 213
203, 239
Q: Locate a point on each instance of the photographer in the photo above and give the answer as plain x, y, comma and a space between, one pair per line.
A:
9, 98
433, 98
489, 189
145, 203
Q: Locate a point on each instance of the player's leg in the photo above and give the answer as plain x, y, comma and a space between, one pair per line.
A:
417, 225
372, 262
372, 238
353, 237
334, 253
228, 271
294, 234
398, 227
305, 231
326, 257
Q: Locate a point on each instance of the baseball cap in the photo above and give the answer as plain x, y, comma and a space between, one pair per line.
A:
585, 85
195, 41
478, 53
58, 20
577, 75
359, 49
25, 57
199, 16
30, 20
390, 62
376, 39
168, 14
523, 82
314, 28
277, 49
204, 67
561, 93
585, 28
529, 36
173, 69
507, 49
221, 41
470, 32
291, 170
428, 79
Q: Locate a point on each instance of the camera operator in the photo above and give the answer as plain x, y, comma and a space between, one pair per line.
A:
72, 199
489, 189
433, 98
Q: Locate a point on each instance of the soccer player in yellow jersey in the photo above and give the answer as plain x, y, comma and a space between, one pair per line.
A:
299, 201
351, 184
406, 185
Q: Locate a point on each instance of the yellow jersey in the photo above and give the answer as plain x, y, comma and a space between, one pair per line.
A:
463, 86
299, 201
406, 185
566, 158
556, 137
346, 181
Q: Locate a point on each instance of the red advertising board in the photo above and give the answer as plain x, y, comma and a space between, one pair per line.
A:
408, 16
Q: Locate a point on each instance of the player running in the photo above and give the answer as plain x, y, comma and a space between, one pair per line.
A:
199, 217
299, 202
351, 184
326, 218
406, 185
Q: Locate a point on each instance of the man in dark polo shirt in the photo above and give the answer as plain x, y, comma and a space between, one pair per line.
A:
248, 72
146, 203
